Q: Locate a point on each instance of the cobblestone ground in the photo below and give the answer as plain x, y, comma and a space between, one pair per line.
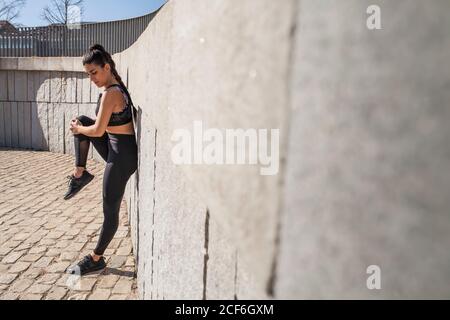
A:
41, 234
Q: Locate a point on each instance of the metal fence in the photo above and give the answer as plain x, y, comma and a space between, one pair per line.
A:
62, 41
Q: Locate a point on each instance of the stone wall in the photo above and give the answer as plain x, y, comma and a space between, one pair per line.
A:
37, 103
207, 231
367, 180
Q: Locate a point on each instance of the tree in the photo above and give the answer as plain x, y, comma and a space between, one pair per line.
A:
10, 9
60, 11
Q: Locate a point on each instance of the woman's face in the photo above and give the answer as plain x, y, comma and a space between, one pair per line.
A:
98, 75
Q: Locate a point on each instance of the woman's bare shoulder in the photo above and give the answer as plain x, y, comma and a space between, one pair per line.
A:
112, 96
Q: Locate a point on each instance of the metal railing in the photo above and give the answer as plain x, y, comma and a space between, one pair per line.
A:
62, 41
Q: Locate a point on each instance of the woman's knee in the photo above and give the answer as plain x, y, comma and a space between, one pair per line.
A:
85, 120
110, 223
111, 209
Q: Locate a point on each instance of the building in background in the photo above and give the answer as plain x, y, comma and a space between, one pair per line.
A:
6, 27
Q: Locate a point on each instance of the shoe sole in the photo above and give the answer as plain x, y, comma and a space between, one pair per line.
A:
75, 193
94, 271
99, 270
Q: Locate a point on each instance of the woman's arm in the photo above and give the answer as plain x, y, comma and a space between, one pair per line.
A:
107, 105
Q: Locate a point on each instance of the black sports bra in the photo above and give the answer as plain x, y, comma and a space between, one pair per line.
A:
117, 118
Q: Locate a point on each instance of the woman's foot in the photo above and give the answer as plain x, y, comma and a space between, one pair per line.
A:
76, 184
87, 265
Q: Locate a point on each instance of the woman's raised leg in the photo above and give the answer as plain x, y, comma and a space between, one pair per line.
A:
81, 177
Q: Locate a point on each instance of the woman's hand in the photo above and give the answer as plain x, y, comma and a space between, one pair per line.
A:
75, 124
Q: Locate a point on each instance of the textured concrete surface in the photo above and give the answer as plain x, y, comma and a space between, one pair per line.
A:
36, 108
41, 234
367, 181
207, 231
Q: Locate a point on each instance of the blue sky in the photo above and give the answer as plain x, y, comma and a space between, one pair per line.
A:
95, 10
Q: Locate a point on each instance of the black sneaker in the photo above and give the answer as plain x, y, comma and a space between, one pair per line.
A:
76, 184
87, 265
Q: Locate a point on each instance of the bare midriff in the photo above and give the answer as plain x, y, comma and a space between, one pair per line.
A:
124, 129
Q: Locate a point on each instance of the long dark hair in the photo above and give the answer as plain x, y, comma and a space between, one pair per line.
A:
99, 56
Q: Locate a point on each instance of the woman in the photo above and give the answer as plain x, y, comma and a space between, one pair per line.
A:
112, 135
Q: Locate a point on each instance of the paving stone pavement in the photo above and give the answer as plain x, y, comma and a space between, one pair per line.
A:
41, 234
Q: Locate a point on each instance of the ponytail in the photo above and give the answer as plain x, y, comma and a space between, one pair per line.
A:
98, 55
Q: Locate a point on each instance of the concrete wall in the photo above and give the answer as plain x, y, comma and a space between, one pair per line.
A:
38, 98
367, 181
207, 231
363, 177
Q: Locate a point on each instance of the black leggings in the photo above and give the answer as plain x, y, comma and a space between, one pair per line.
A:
120, 153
